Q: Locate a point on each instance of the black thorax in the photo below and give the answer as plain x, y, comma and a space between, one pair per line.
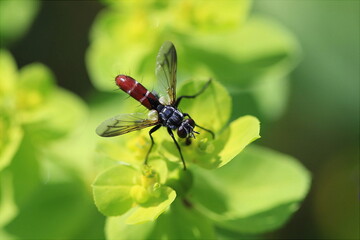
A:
169, 116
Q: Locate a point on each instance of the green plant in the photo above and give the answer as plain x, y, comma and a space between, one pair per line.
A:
228, 190
207, 203
210, 198
34, 179
50, 154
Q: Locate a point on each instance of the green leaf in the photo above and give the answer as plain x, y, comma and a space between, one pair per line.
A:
270, 95
146, 24
65, 202
49, 121
8, 73
243, 58
152, 209
161, 168
211, 154
5, 235
25, 165
196, 18
135, 148
11, 135
211, 109
117, 229
81, 142
252, 69
112, 189
110, 53
35, 87
183, 221
181, 181
257, 192
36, 77
8, 208
179, 222
243, 131
104, 62
15, 18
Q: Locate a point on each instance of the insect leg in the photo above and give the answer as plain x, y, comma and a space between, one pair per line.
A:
152, 142
178, 147
177, 102
205, 129
209, 131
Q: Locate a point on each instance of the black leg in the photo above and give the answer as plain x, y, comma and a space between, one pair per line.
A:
209, 131
186, 115
177, 145
177, 102
152, 142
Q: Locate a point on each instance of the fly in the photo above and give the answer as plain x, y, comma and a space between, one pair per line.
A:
163, 111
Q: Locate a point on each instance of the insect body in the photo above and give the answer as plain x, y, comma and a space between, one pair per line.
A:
162, 113
137, 91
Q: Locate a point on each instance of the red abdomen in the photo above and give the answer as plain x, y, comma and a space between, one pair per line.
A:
137, 91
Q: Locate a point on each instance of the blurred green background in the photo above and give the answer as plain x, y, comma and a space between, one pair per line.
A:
320, 125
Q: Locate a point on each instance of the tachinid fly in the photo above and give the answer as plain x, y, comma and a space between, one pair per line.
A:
163, 111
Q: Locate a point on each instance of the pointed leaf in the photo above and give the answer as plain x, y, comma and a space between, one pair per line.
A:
211, 154
243, 131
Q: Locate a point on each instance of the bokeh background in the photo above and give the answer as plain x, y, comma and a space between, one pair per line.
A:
320, 124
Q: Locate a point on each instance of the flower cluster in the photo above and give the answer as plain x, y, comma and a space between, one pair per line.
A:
227, 186
32, 106
143, 192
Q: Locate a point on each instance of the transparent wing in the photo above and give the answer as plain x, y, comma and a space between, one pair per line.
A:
124, 123
166, 62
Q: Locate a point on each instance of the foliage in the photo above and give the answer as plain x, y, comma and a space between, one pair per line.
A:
49, 153
34, 181
248, 195
31, 104
207, 46
250, 55
20, 14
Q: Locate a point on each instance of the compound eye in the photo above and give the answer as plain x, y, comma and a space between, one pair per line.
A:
181, 132
190, 121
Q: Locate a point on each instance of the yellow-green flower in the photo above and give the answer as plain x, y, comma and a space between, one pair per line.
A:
139, 191
32, 105
129, 183
237, 195
212, 110
217, 39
